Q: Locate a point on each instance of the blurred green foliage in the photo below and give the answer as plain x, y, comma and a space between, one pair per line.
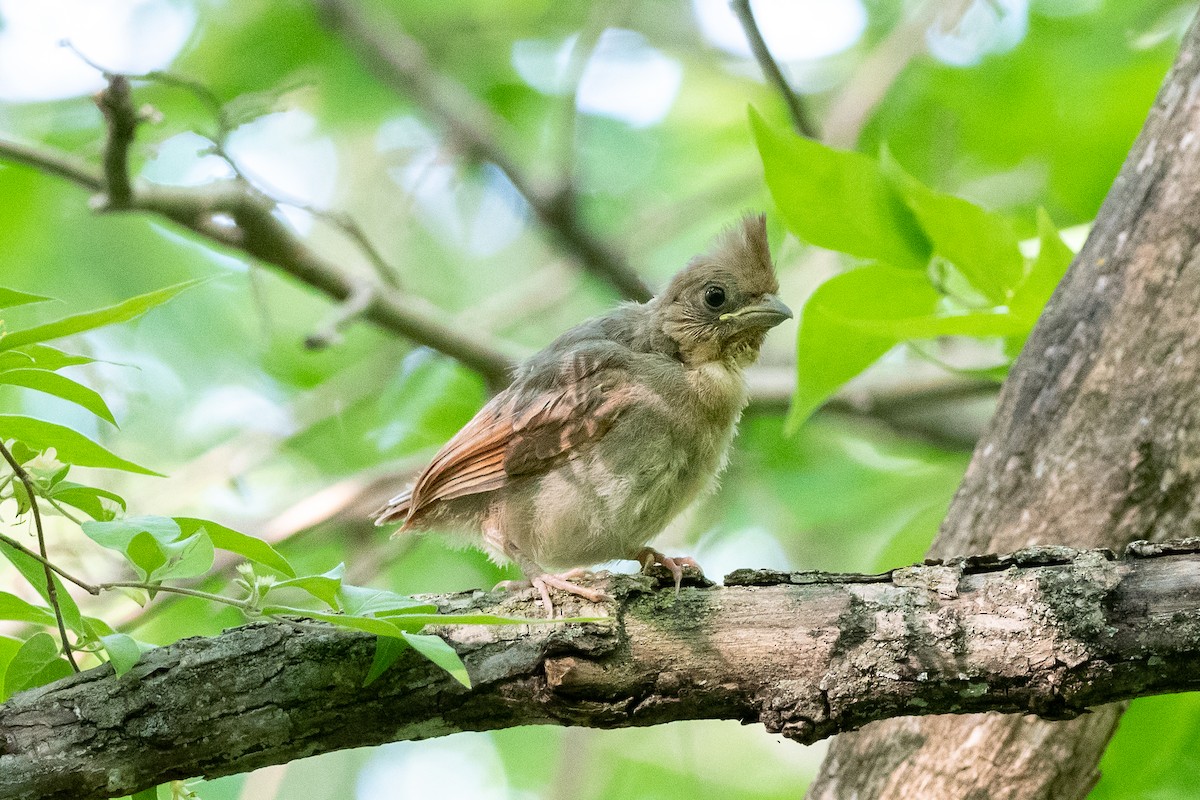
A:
976, 130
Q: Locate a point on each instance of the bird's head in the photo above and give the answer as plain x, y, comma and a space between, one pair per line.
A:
721, 305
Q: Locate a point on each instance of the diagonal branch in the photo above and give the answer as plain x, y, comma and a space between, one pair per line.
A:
230, 215
1049, 631
401, 62
801, 119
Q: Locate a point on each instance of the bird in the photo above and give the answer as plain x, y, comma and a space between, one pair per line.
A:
609, 432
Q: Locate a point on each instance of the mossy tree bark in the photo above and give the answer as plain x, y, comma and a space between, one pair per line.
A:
1051, 631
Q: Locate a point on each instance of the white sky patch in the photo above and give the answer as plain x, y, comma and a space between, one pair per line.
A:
480, 216
987, 27
460, 767
182, 160
794, 30
235, 409
283, 156
625, 78
132, 36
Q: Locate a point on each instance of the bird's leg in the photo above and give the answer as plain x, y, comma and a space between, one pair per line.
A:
648, 556
539, 579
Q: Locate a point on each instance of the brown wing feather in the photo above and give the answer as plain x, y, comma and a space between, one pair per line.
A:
517, 433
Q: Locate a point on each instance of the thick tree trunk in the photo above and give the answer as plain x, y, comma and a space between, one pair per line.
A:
1051, 630
1096, 442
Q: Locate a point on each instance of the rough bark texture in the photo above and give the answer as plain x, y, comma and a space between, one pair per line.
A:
1050, 631
1096, 442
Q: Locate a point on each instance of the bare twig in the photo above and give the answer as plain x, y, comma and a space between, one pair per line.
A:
581, 53
353, 307
116, 104
798, 111
257, 232
116, 99
855, 102
51, 586
45, 562
401, 62
52, 162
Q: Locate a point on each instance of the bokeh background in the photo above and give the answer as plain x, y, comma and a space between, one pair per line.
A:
642, 107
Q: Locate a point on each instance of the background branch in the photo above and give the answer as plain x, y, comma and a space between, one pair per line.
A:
401, 62
234, 216
797, 110
1049, 631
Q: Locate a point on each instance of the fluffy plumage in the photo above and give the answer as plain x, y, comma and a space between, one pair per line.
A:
614, 428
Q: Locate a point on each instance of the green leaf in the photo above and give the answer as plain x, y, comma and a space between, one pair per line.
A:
10, 298
146, 554
15, 609
1053, 259
323, 587
233, 541
439, 652
148, 794
34, 572
42, 356
121, 312
152, 546
119, 533
831, 346
8, 649
35, 664
123, 651
387, 651
72, 446
187, 558
980, 244
379, 627
838, 199
363, 601
60, 386
414, 622
86, 499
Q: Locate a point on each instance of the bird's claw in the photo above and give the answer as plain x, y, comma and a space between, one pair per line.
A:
648, 557
544, 582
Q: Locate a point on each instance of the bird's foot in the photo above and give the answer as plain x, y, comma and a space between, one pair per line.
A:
648, 557
561, 581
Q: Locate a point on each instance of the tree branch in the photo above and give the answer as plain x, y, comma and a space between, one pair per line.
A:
115, 102
401, 62
1049, 631
231, 215
801, 120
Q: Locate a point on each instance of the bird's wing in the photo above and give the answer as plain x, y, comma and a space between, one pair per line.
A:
523, 431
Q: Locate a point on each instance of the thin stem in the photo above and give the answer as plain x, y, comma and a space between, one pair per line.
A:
350, 309
772, 72
14, 544
51, 587
245, 605
59, 508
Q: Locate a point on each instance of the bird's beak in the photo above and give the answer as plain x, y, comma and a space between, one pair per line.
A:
766, 313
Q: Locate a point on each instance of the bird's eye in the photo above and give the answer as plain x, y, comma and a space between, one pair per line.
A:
714, 297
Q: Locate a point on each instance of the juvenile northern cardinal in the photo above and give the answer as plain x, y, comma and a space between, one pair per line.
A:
608, 433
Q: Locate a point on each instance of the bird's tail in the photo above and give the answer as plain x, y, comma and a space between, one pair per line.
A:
396, 510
